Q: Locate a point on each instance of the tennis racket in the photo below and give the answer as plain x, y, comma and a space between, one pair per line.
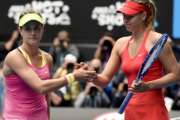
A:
150, 58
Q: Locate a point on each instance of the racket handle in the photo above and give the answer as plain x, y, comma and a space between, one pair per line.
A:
125, 102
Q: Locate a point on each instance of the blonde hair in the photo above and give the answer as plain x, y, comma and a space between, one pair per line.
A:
151, 10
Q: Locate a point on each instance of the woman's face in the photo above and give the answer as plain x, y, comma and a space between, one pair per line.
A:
32, 33
133, 22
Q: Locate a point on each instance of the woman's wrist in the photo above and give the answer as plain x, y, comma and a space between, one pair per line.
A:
149, 86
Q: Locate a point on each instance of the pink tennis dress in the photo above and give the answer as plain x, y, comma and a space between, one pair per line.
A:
21, 101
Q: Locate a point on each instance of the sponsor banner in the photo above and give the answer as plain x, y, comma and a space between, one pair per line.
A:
86, 20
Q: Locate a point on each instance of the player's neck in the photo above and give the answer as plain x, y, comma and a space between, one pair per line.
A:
139, 34
32, 51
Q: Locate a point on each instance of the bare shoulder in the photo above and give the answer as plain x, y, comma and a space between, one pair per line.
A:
13, 60
13, 57
121, 43
155, 36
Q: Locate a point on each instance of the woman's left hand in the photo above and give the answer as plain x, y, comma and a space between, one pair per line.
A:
138, 86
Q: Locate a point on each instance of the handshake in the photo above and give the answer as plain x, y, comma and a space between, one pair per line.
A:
83, 71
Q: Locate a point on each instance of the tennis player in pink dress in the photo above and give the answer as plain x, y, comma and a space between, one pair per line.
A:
22, 102
27, 74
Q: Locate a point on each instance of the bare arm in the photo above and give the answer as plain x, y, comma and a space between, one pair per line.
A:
49, 94
111, 67
171, 67
20, 67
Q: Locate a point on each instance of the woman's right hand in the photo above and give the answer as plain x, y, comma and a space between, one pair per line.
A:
82, 72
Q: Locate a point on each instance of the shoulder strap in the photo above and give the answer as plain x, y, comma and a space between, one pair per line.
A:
43, 58
26, 56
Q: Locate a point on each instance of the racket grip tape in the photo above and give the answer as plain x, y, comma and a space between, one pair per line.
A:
125, 102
